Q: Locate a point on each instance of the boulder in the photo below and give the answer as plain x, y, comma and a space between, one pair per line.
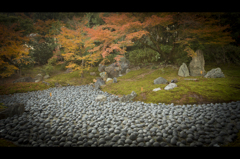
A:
90, 84
128, 70
101, 98
58, 85
113, 65
128, 97
112, 71
109, 79
11, 110
46, 77
101, 68
215, 73
170, 86
69, 70
183, 70
24, 79
104, 75
124, 64
156, 89
197, 64
133, 94
93, 73
114, 80
114, 99
99, 83
38, 78
160, 80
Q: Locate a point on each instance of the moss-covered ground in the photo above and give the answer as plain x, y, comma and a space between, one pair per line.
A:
204, 90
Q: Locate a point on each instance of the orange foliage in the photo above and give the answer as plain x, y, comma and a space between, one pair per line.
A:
12, 50
125, 28
75, 43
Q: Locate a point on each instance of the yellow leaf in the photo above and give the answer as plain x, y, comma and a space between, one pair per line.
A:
50, 94
141, 89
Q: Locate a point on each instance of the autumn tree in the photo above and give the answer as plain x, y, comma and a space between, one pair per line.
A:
122, 30
199, 29
13, 51
160, 32
76, 43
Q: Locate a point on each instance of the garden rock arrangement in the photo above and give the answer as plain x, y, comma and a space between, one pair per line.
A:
113, 70
72, 117
215, 73
38, 78
197, 64
183, 70
104, 75
160, 80
99, 83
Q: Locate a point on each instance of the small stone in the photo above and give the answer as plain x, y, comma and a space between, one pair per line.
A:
133, 136
156, 144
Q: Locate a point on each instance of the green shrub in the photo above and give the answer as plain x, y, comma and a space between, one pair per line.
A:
143, 56
226, 54
52, 61
181, 57
47, 69
153, 67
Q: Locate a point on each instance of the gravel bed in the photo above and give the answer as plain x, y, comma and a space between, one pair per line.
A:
72, 118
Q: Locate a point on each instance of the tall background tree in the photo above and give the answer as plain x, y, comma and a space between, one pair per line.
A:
76, 43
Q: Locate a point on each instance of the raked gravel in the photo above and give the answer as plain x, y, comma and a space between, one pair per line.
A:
71, 117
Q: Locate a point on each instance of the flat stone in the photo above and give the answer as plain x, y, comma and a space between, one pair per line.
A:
156, 89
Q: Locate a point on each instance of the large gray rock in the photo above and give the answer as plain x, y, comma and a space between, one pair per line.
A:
197, 64
93, 73
128, 70
104, 75
160, 80
24, 79
128, 97
99, 83
112, 71
124, 64
46, 77
38, 78
114, 80
215, 73
101, 68
183, 70
69, 70
58, 84
109, 79
13, 109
